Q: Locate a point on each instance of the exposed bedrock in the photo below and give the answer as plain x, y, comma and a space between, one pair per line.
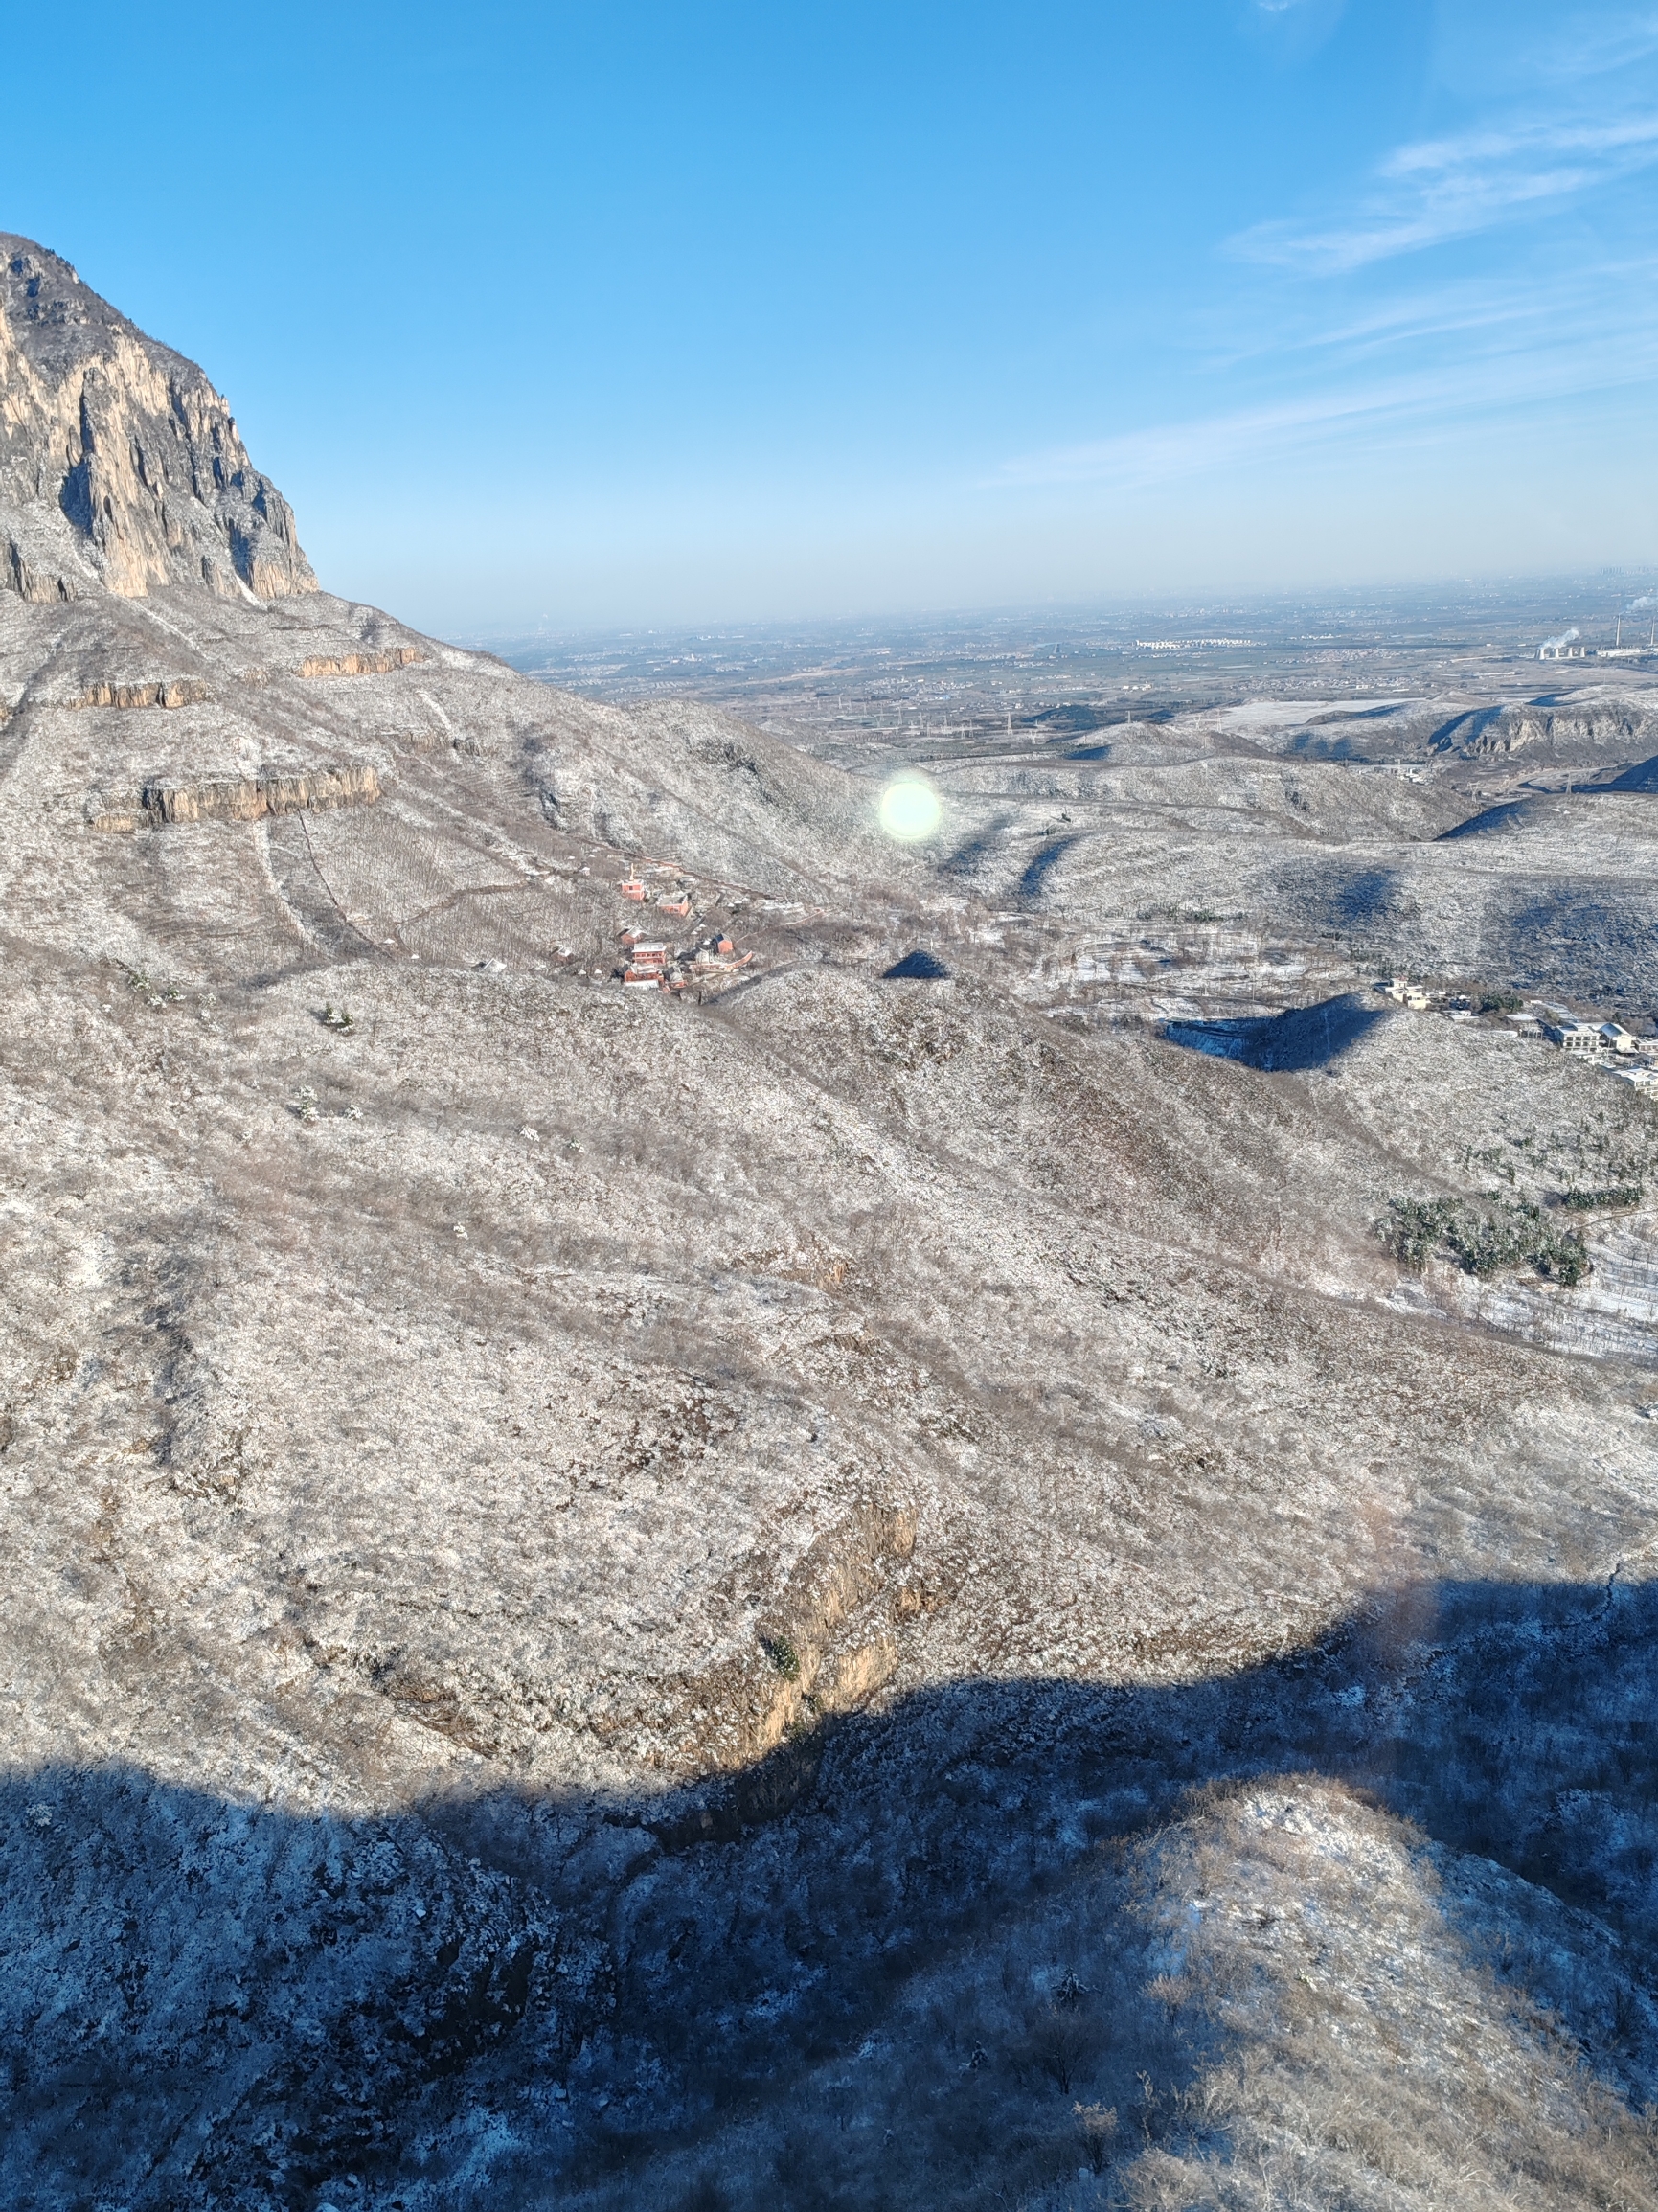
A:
121, 467
1539, 728
161, 692
359, 664
235, 798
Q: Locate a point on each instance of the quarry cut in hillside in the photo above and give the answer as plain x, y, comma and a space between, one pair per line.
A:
706, 1512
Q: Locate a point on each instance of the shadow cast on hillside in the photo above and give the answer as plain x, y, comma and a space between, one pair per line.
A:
1296, 1042
1541, 806
213, 2002
1510, 814
1642, 777
1036, 871
918, 966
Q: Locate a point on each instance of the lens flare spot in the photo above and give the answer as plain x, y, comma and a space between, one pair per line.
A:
910, 810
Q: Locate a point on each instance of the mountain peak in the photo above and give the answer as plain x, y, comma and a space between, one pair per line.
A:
121, 467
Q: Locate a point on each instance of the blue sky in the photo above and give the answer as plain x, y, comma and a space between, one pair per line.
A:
644, 314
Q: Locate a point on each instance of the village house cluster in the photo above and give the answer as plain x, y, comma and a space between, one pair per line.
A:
1604, 1044
658, 964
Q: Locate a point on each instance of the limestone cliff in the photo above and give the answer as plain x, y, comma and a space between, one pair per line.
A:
121, 467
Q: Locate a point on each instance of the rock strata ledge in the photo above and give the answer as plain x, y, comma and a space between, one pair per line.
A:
234, 798
360, 664
175, 692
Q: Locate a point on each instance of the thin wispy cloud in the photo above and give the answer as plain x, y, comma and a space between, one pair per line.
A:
1449, 188
1599, 127
1597, 45
1478, 315
1408, 365
1161, 453
1371, 413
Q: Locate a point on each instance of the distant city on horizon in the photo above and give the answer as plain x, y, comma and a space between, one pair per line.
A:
1052, 672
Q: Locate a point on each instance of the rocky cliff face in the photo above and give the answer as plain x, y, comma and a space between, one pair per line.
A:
121, 467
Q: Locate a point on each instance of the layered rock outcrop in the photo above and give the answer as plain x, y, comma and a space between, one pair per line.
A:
121, 467
359, 664
235, 798
159, 692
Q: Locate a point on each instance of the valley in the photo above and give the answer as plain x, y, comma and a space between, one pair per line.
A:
826, 1586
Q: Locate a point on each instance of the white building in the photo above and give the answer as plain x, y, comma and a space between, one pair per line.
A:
1578, 1036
